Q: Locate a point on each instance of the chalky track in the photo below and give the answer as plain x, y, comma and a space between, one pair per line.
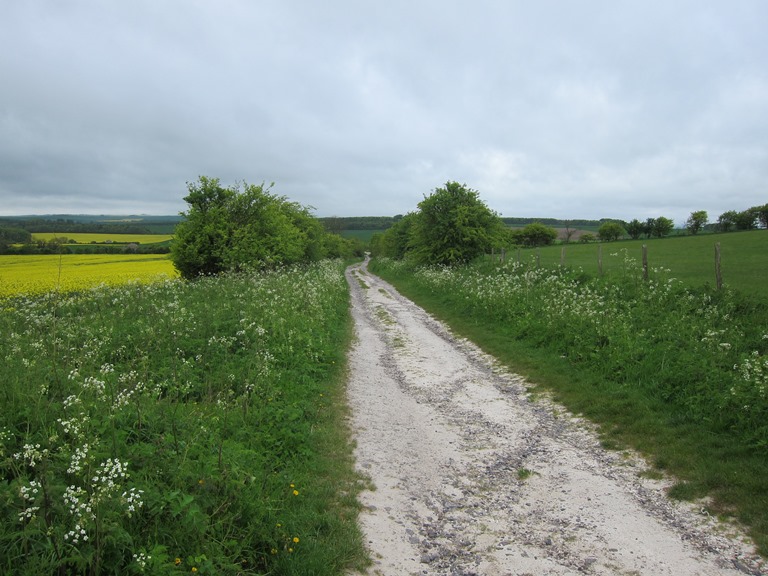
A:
473, 477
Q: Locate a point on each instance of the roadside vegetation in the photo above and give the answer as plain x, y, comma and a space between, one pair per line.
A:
179, 427
680, 374
673, 368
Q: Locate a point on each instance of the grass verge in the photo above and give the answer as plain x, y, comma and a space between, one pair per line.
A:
654, 367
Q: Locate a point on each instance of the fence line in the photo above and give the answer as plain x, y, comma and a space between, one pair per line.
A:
537, 258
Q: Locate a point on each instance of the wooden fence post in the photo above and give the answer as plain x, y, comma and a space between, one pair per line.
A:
562, 256
645, 262
718, 272
538, 258
600, 259
503, 254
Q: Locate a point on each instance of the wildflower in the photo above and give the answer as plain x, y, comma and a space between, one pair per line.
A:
177, 561
295, 492
295, 539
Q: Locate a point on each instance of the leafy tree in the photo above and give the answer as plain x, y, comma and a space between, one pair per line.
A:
396, 241
746, 220
696, 221
648, 227
232, 229
587, 237
453, 226
662, 227
535, 234
610, 231
727, 220
762, 215
635, 228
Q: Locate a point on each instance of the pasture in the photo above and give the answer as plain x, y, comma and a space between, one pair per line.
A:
691, 259
71, 272
84, 238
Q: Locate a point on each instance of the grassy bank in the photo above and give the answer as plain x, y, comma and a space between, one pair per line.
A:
179, 427
678, 373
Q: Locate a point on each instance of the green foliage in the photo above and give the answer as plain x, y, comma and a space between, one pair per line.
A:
453, 226
179, 426
746, 220
534, 234
240, 228
727, 221
395, 242
610, 231
696, 221
658, 227
762, 215
635, 228
679, 372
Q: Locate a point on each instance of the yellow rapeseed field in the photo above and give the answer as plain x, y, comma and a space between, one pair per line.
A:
68, 272
101, 238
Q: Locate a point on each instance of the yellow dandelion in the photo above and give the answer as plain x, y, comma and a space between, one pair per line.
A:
295, 539
177, 561
295, 492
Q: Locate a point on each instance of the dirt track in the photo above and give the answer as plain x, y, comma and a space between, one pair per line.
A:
472, 477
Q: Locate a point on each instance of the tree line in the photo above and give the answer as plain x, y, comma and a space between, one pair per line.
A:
452, 225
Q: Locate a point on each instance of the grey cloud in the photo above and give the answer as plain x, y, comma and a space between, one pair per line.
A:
581, 110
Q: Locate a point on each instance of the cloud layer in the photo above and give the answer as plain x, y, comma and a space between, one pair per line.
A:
594, 109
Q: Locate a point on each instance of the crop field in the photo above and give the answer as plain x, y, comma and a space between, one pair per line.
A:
362, 235
69, 272
179, 428
104, 238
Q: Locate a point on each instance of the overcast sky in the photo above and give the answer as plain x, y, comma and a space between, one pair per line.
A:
565, 109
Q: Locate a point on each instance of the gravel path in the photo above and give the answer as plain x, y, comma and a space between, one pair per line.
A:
473, 477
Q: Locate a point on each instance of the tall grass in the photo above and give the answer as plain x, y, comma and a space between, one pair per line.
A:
178, 427
678, 372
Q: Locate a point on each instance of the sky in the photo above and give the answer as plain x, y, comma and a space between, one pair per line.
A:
548, 109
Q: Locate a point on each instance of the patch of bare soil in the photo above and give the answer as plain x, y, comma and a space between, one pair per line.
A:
472, 476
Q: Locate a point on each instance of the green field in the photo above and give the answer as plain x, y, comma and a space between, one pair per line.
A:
362, 235
744, 258
82, 238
